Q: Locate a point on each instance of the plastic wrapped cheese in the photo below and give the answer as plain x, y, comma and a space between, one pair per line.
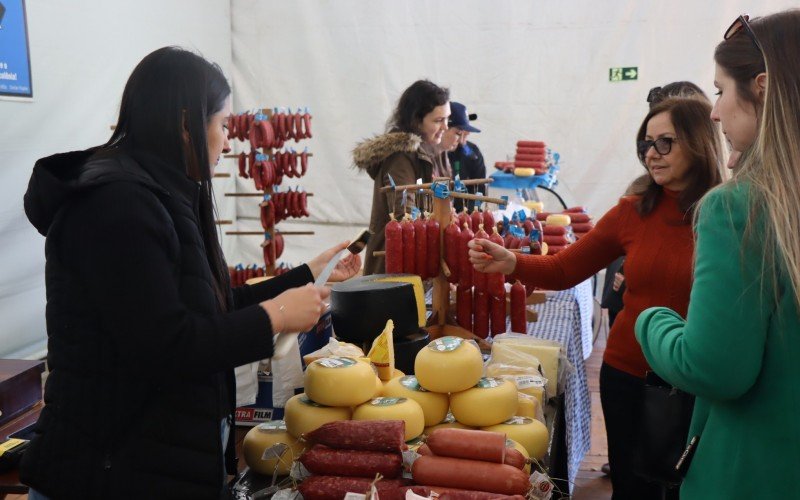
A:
548, 353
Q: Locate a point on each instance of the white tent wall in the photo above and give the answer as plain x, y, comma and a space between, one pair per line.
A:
535, 70
81, 55
529, 69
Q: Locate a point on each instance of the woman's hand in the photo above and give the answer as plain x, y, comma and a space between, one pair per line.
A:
297, 309
618, 280
317, 264
348, 267
488, 257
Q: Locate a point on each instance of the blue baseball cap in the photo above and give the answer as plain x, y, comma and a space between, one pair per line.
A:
459, 117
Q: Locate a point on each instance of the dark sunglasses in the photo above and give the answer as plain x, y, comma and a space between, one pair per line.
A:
740, 23
663, 146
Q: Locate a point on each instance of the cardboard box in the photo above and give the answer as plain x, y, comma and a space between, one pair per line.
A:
262, 410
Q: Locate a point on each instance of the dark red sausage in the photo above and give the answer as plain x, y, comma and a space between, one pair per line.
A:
488, 220
464, 307
394, 247
553, 230
367, 435
530, 144
409, 247
307, 125
497, 310
476, 219
325, 461
457, 494
433, 235
335, 487
495, 282
452, 235
582, 227
575, 210
519, 323
480, 307
464, 218
480, 279
464, 265
303, 163
243, 165
579, 218
556, 240
527, 226
421, 248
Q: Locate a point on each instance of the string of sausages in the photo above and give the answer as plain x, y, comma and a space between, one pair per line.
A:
529, 154
413, 246
560, 237
240, 273
270, 132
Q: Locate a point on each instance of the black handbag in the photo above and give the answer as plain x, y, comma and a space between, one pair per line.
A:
665, 417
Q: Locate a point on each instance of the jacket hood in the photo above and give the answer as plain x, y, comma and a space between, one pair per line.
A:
55, 179
370, 153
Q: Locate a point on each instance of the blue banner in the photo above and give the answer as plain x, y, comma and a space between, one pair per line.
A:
15, 62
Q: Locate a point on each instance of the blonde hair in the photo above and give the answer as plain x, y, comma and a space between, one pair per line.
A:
771, 166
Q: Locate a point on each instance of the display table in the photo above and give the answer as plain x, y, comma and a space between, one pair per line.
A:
563, 319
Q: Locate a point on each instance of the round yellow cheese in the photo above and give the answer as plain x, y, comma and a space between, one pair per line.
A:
404, 409
434, 404
303, 415
448, 364
558, 220
528, 432
491, 401
449, 422
339, 381
378, 387
510, 443
524, 171
268, 437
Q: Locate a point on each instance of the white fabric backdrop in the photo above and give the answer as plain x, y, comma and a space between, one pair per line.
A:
536, 70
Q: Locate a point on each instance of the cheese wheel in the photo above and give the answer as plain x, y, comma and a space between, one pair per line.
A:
490, 402
339, 381
524, 172
434, 405
558, 220
378, 388
303, 415
449, 422
528, 432
510, 443
265, 438
448, 364
419, 291
404, 409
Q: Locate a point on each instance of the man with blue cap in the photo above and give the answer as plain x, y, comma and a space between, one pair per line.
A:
465, 158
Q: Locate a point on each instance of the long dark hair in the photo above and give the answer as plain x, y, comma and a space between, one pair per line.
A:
417, 101
699, 139
173, 91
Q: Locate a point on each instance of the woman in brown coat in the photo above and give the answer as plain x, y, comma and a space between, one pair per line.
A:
408, 151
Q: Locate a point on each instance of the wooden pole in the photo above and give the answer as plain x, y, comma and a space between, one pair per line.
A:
440, 300
261, 233
468, 182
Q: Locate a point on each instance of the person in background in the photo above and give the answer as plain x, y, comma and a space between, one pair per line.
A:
143, 328
737, 349
466, 160
408, 151
680, 148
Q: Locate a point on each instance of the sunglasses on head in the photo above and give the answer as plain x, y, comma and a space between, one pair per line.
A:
663, 146
742, 22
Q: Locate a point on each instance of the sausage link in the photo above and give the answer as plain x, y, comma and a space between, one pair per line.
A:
420, 248
394, 247
470, 474
519, 323
464, 265
452, 236
433, 235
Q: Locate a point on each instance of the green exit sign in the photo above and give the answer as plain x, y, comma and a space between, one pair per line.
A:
623, 74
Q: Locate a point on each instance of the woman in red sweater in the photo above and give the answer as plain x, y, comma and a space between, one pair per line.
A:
680, 147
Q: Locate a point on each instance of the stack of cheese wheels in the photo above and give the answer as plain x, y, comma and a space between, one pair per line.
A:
333, 386
528, 432
269, 448
434, 405
449, 422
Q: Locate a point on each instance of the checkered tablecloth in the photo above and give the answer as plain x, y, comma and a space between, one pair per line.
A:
563, 318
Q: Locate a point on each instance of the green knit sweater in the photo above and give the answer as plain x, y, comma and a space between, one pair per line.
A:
738, 351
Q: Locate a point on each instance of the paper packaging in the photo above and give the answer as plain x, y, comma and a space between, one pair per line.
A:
262, 409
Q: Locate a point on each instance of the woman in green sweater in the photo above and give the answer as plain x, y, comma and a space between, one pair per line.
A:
739, 349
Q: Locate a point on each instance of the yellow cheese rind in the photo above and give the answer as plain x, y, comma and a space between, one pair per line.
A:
510, 443
528, 432
303, 415
419, 292
382, 353
434, 405
526, 405
448, 364
339, 381
449, 422
547, 355
490, 402
404, 409
264, 436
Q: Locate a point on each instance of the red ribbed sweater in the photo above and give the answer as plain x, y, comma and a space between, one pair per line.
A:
659, 250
